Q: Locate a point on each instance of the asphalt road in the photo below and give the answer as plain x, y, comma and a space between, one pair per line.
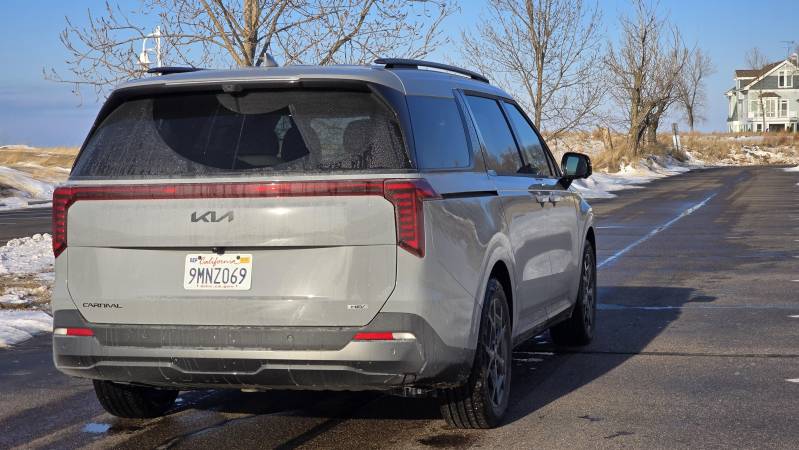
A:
24, 222
697, 347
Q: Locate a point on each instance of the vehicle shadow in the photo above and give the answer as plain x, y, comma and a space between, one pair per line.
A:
629, 320
626, 324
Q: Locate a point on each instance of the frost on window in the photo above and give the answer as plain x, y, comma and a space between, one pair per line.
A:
185, 135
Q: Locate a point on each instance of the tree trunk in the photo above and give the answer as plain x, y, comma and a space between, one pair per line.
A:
652, 132
250, 33
690, 112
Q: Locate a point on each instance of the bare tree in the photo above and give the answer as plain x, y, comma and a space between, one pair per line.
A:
755, 59
544, 51
691, 93
645, 67
225, 33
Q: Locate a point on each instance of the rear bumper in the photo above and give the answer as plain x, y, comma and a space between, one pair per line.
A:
323, 358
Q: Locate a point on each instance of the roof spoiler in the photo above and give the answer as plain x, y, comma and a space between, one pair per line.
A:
402, 63
167, 70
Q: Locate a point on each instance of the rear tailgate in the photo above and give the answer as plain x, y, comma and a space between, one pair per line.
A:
316, 261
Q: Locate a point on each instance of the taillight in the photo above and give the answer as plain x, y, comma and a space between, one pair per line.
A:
62, 199
73, 332
408, 197
383, 336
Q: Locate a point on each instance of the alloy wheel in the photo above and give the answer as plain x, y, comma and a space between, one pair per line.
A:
496, 351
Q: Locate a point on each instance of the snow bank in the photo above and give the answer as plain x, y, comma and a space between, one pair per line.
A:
16, 147
19, 326
602, 185
28, 255
792, 169
18, 189
26, 278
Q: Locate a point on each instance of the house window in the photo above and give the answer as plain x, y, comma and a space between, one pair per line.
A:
783, 108
754, 107
785, 79
770, 105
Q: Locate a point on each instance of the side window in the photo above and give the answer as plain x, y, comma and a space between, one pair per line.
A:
501, 153
438, 133
532, 148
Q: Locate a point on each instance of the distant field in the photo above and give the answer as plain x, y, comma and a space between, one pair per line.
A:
47, 164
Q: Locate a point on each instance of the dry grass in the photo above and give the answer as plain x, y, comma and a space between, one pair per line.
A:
621, 155
45, 157
48, 164
37, 291
720, 146
614, 153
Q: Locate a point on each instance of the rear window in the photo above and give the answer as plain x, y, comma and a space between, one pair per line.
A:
199, 134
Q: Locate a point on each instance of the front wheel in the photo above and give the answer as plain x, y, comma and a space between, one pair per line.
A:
579, 328
483, 400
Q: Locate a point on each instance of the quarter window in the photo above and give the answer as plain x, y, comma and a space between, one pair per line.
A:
438, 133
501, 153
533, 151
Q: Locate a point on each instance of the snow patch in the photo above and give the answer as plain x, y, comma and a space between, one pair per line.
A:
28, 255
602, 185
22, 296
792, 169
24, 190
17, 147
19, 326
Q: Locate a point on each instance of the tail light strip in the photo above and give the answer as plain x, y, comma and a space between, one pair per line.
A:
407, 196
383, 336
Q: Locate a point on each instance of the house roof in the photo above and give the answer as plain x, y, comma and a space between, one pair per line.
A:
754, 73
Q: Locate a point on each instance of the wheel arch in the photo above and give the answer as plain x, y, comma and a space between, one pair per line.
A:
590, 236
501, 272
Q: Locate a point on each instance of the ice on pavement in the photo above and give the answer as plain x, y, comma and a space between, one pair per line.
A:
18, 326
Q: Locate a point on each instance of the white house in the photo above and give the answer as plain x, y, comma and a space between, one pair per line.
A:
765, 99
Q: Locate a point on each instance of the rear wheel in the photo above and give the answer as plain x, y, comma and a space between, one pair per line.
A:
579, 328
483, 400
135, 402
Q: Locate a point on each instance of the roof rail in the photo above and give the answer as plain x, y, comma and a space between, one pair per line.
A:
402, 63
166, 70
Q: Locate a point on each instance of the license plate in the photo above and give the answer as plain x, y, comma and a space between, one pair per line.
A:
231, 271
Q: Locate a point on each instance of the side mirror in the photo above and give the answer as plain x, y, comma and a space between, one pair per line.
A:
574, 167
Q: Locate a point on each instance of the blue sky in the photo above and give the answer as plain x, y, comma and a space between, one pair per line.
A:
43, 113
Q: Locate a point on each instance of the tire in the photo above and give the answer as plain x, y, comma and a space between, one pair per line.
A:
580, 327
134, 402
483, 400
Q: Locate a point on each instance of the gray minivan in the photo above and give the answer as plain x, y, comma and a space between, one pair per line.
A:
398, 226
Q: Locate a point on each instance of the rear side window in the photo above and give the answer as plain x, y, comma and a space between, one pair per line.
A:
197, 134
438, 133
532, 148
501, 153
